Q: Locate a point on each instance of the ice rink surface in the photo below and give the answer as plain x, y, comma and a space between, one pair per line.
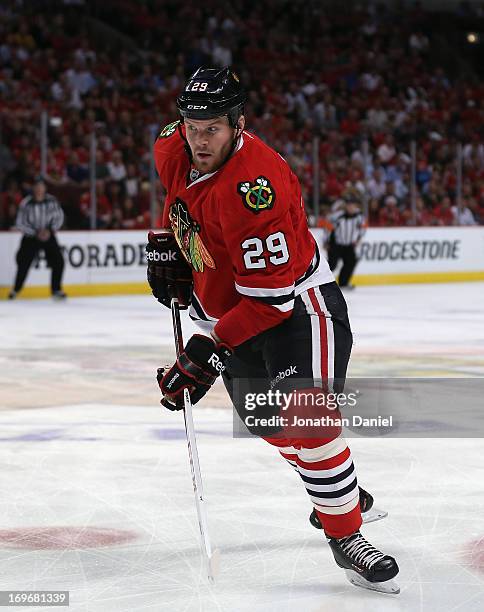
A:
96, 490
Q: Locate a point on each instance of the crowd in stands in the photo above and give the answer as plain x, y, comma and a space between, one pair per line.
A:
370, 75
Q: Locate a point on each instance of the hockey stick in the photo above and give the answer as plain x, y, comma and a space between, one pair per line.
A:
211, 558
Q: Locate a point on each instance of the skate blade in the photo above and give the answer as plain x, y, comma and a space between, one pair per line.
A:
373, 514
389, 586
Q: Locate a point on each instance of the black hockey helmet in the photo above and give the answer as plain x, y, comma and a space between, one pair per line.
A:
211, 93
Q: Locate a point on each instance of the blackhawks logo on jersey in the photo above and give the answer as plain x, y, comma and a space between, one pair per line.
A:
187, 235
169, 129
257, 196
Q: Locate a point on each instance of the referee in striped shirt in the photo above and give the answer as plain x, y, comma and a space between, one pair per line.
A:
349, 227
39, 216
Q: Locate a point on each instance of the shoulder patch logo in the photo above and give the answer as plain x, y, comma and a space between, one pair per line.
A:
169, 129
257, 196
187, 234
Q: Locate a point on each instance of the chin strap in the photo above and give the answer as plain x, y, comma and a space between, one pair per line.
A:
184, 138
235, 142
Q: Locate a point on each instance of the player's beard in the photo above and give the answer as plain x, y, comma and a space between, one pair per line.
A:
215, 160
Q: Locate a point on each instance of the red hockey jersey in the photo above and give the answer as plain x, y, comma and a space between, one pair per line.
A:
243, 230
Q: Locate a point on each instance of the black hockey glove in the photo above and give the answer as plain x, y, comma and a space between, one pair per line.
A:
195, 369
169, 274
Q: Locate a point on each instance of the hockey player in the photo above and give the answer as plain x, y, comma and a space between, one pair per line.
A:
236, 248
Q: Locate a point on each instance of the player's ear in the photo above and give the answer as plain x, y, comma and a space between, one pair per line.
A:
241, 123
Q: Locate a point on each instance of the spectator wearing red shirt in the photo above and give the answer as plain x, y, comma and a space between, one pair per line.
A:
131, 218
424, 216
350, 125
335, 179
442, 212
103, 205
374, 212
389, 214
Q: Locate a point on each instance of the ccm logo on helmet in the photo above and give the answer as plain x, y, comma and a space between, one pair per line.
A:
166, 256
197, 107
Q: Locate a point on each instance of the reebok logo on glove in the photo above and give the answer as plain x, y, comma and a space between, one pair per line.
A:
165, 256
196, 368
168, 273
216, 363
170, 383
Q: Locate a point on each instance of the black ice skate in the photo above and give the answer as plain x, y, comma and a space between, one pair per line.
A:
368, 513
364, 565
58, 296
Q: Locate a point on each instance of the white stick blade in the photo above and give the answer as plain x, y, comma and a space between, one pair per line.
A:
214, 565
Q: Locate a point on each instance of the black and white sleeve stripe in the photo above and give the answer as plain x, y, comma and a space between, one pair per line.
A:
281, 298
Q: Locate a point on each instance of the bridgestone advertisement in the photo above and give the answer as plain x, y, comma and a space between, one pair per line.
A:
409, 250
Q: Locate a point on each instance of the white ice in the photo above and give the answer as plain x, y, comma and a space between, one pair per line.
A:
84, 444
